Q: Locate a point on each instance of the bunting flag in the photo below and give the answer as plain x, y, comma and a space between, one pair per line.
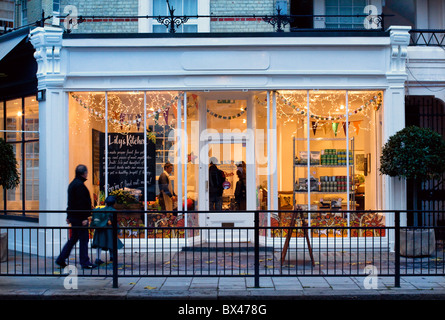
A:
225, 117
166, 111
314, 126
335, 127
376, 101
344, 126
356, 125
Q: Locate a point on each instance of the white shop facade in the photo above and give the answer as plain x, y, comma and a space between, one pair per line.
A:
303, 117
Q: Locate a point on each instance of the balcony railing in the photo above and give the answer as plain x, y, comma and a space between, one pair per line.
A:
196, 251
278, 22
427, 37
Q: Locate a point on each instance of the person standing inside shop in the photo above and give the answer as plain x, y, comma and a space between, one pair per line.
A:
240, 191
166, 196
78, 199
216, 180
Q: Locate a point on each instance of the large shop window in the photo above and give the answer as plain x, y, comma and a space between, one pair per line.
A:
125, 139
314, 150
328, 145
19, 125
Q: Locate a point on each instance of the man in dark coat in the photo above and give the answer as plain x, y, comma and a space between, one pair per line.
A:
78, 199
216, 179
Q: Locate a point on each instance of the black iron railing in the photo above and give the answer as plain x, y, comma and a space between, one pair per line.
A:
172, 21
278, 21
427, 37
256, 250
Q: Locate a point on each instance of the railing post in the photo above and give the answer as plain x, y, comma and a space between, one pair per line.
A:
114, 250
397, 249
257, 249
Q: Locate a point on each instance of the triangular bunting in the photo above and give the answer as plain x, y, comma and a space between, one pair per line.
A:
356, 125
344, 126
335, 127
314, 126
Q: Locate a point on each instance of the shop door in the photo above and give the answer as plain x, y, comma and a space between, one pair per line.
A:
226, 181
227, 145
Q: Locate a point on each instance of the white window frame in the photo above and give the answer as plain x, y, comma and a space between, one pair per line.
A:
339, 24
145, 8
24, 12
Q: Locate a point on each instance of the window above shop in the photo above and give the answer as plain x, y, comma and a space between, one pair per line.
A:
181, 8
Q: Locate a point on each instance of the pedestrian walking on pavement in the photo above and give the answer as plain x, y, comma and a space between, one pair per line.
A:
103, 236
78, 199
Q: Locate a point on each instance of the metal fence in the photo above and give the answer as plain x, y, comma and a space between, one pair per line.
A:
254, 251
427, 37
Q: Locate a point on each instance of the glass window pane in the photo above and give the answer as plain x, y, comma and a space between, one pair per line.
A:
359, 3
227, 115
190, 7
192, 28
86, 125
177, 6
32, 175
158, 28
2, 134
159, 8
331, 3
31, 118
14, 196
14, 120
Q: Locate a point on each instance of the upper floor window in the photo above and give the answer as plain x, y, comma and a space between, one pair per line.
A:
24, 9
182, 8
346, 8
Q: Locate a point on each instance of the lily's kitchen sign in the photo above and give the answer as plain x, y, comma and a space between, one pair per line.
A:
126, 162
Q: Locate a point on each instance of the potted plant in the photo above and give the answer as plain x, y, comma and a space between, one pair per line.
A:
9, 174
9, 179
125, 200
416, 154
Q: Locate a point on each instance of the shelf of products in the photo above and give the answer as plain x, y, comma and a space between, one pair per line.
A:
330, 171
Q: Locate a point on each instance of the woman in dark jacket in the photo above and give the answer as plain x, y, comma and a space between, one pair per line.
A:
103, 238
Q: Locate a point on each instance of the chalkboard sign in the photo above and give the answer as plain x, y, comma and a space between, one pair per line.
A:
126, 162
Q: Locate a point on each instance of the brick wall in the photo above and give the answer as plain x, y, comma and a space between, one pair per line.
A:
237, 7
105, 8
130, 8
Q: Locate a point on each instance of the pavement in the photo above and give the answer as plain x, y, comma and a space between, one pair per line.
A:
306, 288
220, 297
48, 284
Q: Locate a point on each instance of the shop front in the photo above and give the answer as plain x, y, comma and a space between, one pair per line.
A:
291, 122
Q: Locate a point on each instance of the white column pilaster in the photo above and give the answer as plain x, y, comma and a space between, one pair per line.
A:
394, 189
53, 125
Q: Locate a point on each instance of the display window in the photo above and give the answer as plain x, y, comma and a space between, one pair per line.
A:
311, 150
328, 140
126, 138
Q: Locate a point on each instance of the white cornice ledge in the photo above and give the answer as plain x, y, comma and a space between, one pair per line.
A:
399, 41
47, 42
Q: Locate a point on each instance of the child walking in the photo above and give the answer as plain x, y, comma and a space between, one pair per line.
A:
103, 238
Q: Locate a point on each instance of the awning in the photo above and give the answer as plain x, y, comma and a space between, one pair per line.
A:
10, 40
18, 66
